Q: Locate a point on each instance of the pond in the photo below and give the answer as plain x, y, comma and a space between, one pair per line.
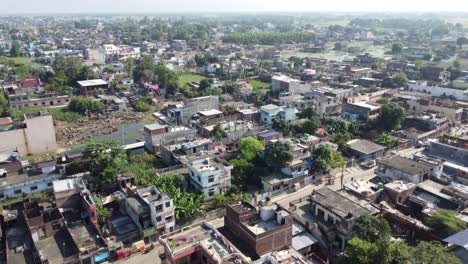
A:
127, 134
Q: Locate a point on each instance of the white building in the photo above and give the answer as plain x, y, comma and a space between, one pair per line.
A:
438, 91
268, 113
161, 208
35, 135
210, 176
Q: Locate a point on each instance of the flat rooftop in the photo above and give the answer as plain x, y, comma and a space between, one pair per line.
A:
364, 146
56, 248
405, 165
95, 82
342, 203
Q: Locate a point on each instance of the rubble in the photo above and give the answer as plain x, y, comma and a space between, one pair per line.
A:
76, 132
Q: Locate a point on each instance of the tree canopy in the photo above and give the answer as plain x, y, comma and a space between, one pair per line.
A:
325, 159
278, 154
83, 105
391, 116
249, 147
107, 160
445, 223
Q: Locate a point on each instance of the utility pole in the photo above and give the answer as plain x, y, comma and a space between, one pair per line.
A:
342, 174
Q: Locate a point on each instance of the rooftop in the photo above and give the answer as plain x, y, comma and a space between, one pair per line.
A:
341, 203
369, 105
94, 82
364, 146
405, 165
210, 112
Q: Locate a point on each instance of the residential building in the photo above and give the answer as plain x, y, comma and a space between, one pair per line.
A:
335, 213
36, 134
209, 175
92, 87
200, 243
161, 208
400, 168
156, 135
360, 110
364, 149
284, 84
262, 231
268, 113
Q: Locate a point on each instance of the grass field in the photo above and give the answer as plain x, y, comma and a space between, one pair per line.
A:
185, 78
259, 85
22, 60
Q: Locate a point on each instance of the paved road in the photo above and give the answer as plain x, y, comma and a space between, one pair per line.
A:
356, 173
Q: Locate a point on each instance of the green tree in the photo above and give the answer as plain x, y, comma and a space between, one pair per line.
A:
281, 125
241, 172
278, 154
71, 68
325, 159
306, 113
83, 105
432, 252
102, 213
58, 84
359, 251
399, 79
142, 106
445, 223
391, 116
218, 132
397, 47
15, 50
107, 160
249, 148
371, 228
311, 125
3, 105
387, 141
187, 205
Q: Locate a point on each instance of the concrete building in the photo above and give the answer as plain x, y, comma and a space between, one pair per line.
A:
439, 91
452, 149
360, 110
182, 113
161, 208
284, 84
335, 213
92, 87
400, 168
268, 113
156, 135
210, 176
365, 149
262, 231
200, 243
34, 135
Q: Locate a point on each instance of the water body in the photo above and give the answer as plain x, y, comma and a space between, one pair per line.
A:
127, 134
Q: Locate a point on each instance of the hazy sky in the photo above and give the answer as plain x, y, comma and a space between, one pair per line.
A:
156, 6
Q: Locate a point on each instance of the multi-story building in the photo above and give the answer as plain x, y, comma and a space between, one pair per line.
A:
264, 230
400, 168
157, 135
335, 213
161, 208
360, 110
36, 134
284, 84
210, 176
268, 113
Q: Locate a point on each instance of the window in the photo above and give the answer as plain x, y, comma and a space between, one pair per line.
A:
211, 179
33, 188
168, 204
2, 196
17, 191
198, 178
169, 219
158, 219
49, 184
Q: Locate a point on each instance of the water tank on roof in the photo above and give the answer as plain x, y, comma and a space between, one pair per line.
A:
267, 213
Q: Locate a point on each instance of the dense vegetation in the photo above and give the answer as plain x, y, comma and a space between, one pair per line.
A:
270, 38
371, 243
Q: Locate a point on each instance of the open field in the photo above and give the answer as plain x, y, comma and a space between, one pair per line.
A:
337, 55
259, 85
185, 78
